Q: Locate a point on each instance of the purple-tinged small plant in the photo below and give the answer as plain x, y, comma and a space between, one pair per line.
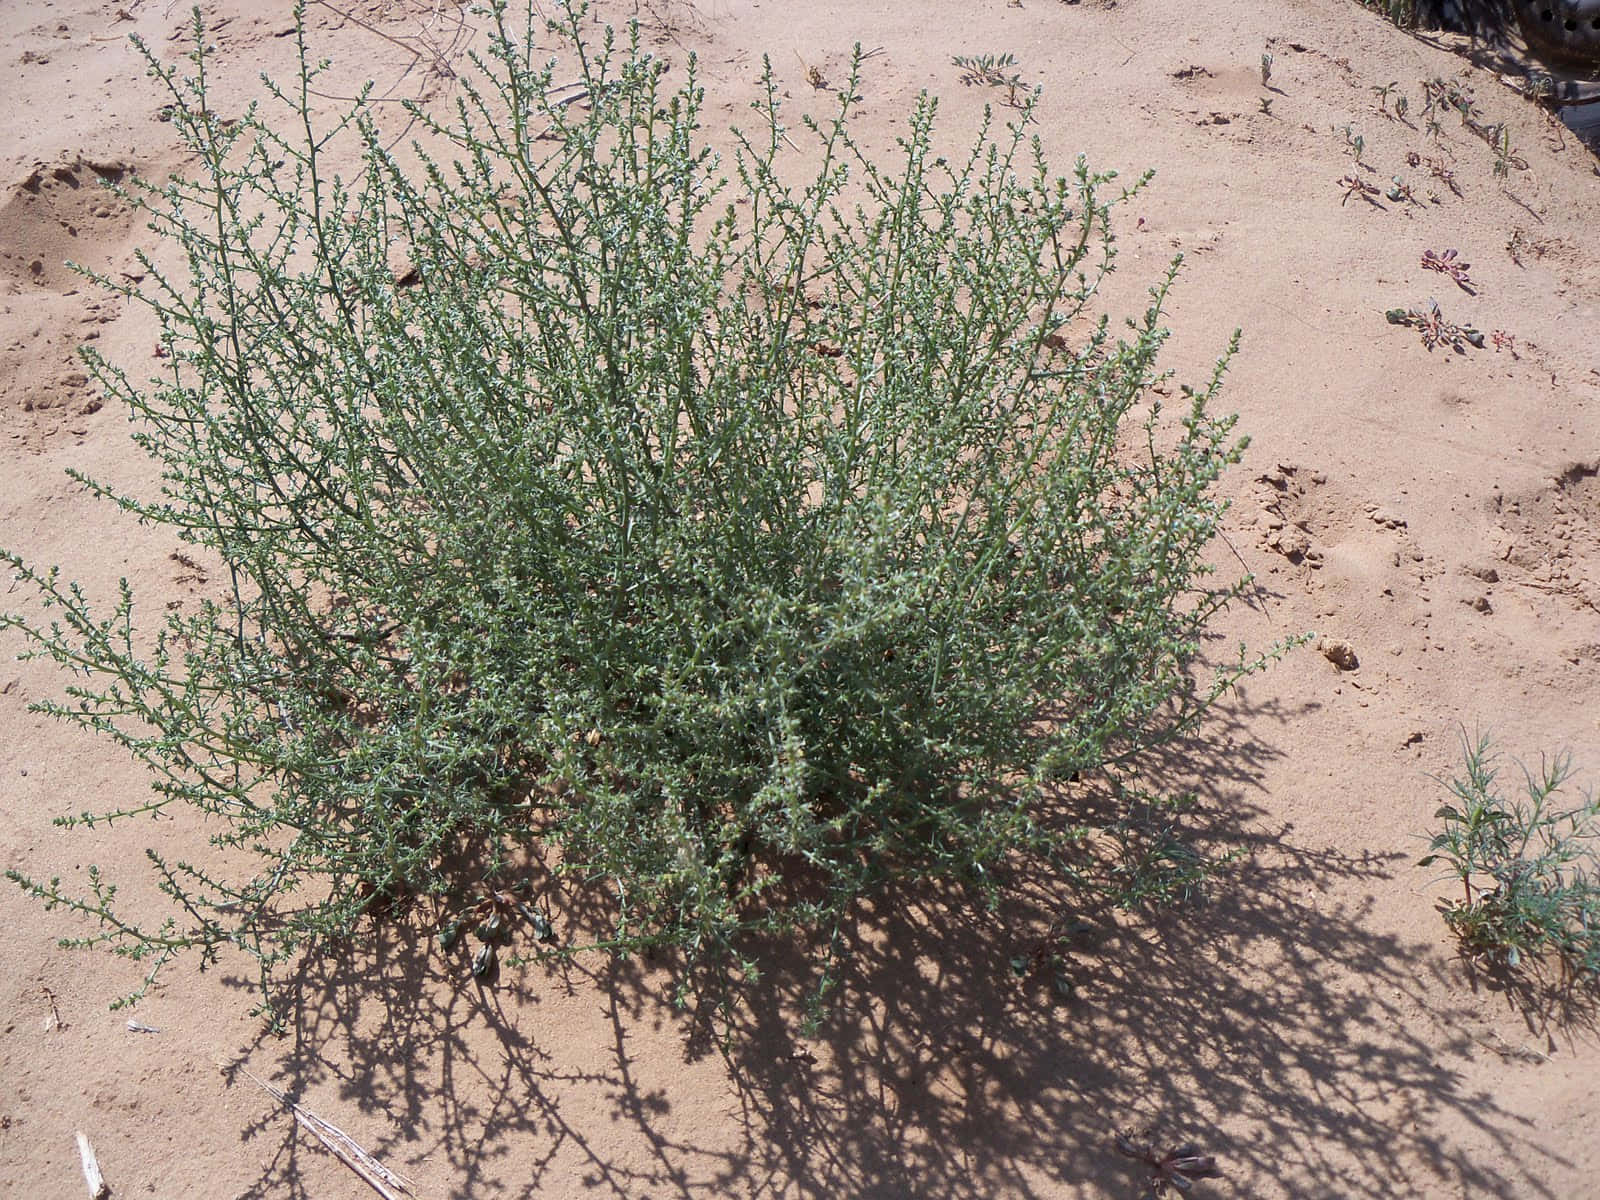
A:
1448, 264
1176, 1169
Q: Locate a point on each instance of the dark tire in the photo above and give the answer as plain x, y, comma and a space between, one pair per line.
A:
1568, 30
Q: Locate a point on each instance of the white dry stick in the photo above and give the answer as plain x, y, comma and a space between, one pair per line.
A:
378, 1177
99, 1189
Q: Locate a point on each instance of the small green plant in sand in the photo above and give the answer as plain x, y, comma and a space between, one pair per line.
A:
1528, 866
992, 70
732, 541
1436, 330
1402, 12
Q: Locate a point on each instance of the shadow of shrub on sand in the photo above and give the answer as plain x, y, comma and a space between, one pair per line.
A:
1266, 1023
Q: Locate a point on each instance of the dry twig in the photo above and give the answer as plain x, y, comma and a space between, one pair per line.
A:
99, 1189
53, 1021
377, 1176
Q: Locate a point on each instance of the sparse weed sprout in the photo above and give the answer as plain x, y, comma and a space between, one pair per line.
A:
992, 70
740, 546
1354, 143
1528, 867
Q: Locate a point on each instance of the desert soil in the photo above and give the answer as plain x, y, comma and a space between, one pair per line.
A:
1311, 1024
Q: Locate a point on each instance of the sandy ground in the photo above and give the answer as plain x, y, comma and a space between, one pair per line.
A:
1311, 1026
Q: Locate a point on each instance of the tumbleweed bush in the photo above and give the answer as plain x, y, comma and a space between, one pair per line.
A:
735, 542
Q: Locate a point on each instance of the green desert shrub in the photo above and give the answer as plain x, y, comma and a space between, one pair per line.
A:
1528, 866
1402, 12
736, 532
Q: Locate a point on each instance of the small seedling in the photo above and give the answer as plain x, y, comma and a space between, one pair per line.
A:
1505, 155
1437, 169
1401, 193
490, 918
1448, 264
1354, 185
814, 75
1434, 328
1529, 869
1383, 93
1504, 341
1401, 107
1440, 95
1177, 1169
1519, 244
990, 70
1355, 143
1266, 69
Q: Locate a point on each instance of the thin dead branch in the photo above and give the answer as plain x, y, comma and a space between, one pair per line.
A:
345, 1148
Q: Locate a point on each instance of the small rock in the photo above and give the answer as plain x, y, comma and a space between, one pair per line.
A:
1291, 542
1481, 603
1340, 653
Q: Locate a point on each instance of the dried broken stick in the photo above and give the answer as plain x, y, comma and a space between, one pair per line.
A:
99, 1189
377, 1176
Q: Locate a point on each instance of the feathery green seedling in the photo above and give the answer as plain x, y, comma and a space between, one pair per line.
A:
1528, 867
991, 70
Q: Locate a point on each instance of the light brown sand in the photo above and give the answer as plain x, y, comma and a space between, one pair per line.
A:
1440, 512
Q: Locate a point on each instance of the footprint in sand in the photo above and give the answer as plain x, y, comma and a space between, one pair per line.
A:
1548, 538
61, 213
